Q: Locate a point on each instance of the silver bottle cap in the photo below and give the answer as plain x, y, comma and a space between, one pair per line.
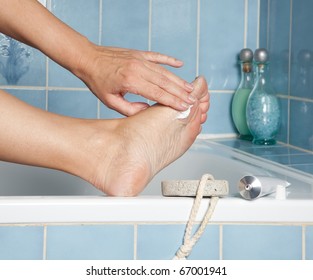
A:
246, 55
261, 55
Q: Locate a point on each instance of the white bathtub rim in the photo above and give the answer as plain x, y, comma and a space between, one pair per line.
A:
144, 209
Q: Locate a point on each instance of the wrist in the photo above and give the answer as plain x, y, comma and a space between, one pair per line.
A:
82, 60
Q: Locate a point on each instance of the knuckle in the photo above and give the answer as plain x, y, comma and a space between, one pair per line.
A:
133, 64
127, 82
163, 82
158, 95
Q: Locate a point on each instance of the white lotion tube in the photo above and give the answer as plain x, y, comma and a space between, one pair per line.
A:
252, 187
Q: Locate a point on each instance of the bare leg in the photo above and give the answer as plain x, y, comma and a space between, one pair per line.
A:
119, 157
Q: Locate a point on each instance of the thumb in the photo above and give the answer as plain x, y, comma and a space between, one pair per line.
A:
126, 107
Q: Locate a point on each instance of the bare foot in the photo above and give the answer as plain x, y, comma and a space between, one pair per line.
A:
144, 144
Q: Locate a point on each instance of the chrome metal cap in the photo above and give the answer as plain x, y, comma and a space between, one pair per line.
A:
261, 55
246, 55
250, 187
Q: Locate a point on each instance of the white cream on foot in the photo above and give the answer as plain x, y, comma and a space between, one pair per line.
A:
184, 114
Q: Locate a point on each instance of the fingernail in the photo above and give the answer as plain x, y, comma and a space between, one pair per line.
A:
189, 86
191, 98
185, 105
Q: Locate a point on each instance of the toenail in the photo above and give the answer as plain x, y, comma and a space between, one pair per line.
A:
191, 98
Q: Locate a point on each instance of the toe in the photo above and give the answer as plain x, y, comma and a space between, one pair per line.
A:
200, 90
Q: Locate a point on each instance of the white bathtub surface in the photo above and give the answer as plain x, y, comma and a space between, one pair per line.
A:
36, 195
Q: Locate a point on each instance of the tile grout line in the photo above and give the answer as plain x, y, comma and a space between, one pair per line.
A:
289, 72
221, 242
268, 23
258, 24
198, 39
44, 251
135, 240
245, 25
303, 242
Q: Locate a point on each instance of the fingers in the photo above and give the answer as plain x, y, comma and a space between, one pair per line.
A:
163, 92
124, 107
115, 71
162, 59
173, 78
158, 84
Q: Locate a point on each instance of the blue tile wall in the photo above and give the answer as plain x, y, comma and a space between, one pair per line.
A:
125, 28
254, 242
219, 120
79, 104
309, 243
221, 39
174, 32
21, 242
76, 14
301, 128
20, 64
252, 24
83, 242
292, 56
155, 242
278, 44
162, 242
35, 98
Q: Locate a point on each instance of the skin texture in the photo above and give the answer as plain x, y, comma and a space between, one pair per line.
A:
109, 72
118, 156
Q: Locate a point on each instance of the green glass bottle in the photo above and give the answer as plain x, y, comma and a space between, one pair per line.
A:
242, 93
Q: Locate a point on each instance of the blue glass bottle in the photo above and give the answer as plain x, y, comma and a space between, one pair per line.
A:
263, 108
239, 102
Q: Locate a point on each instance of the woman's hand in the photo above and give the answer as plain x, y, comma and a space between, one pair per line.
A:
112, 72
109, 72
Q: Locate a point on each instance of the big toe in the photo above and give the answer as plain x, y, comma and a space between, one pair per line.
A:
200, 87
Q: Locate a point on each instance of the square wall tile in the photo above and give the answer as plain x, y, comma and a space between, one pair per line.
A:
33, 97
90, 242
79, 104
284, 125
21, 243
125, 24
309, 243
174, 32
219, 116
301, 128
278, 44
20, 64
161, 242
302, 49
262, 242
263, 36
252, 28
83, 16
221, 39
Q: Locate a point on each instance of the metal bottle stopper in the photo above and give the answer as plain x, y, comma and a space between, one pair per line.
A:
246, 55
261, 55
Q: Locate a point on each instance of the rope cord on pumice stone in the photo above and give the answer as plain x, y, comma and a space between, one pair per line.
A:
189, 241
